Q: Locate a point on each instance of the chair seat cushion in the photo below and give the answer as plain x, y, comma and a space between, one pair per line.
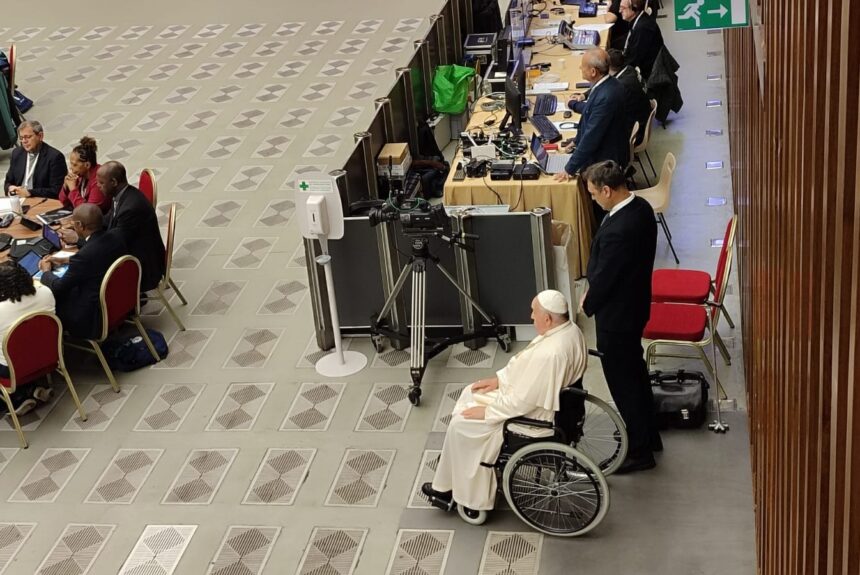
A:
676, 321
25, 379
683, 286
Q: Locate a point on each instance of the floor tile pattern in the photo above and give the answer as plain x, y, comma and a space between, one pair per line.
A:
361, 477
245, 550
420, 551
332, 552
279, 476
124, 476
49, 475
158, 550
76, 550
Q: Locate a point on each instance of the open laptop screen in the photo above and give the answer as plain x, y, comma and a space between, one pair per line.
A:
52, 237
30, 262
539, 151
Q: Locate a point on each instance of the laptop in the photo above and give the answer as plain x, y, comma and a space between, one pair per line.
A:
30, 262
49, 243
550, 163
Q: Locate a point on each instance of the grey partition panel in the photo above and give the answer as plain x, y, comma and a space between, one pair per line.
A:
511, 262
442, 299
357, 273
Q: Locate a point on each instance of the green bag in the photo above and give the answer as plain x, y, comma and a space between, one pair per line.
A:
451, 88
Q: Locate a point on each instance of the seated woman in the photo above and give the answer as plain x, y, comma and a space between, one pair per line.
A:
19, 296
80, 185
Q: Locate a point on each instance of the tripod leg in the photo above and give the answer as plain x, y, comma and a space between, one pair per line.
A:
389, 303
416, 365
504, 338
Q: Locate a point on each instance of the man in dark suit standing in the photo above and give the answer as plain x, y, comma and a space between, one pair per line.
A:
644, 40
35, 169
602, 126
134, 218
637, 106
619, 296
77, 291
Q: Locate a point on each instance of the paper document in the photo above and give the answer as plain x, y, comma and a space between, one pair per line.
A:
62, 255
544, 32
550, 87
597, 27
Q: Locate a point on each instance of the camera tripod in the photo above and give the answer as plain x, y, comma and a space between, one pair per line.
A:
420, 353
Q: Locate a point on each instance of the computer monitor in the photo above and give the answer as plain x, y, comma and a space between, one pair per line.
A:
515, 98
502, 54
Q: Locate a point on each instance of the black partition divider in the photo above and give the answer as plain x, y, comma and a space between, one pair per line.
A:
356, 273
500, 251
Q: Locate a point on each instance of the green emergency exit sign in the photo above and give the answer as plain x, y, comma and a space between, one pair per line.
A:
711, 14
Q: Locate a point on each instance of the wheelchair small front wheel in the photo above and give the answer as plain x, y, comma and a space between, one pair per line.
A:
555, 489
471, 516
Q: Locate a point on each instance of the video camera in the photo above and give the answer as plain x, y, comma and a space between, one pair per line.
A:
416, 217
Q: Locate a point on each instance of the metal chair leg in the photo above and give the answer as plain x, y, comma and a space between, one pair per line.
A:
644, 173
721, 345
728, 317
146, 339
15, 423
105, 365
178, 293
712, 371
650, 163
73, 392
662, 219
163, 298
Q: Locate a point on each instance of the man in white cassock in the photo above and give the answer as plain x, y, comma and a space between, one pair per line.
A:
528, 386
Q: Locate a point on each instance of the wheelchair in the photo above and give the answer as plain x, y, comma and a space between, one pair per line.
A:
557, 483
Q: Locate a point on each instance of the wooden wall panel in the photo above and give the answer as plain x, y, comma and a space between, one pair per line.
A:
795, 165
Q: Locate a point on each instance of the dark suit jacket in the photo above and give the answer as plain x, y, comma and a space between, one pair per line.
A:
620, 268
47, 177
77, 292
636, 104
134, 218
618, 32
603, 133
644, 44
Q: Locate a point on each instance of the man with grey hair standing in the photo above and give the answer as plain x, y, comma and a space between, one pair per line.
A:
528, 386
602, 132
35, 169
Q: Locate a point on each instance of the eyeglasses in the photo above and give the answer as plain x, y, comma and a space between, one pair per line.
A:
27, 137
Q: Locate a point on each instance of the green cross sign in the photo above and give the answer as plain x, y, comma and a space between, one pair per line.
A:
711, 14
304, 186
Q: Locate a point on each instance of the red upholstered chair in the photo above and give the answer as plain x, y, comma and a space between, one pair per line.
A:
146, 184
31, 354
166, 282
693, 286
120, 303
687, 325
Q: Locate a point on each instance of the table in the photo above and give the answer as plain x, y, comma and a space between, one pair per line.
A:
568, 203
16, 230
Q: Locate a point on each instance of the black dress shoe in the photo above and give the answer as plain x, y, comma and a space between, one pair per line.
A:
427, 489
633, 464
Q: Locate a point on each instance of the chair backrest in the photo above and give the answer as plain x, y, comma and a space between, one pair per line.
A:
632, 142
12, 66
724, 266
146, 184
646, 137
571, 410
168, 245
120, 293
33, 347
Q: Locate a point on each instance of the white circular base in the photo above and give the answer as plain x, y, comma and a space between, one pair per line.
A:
330, 366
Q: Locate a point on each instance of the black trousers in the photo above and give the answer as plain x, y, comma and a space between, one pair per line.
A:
627, 377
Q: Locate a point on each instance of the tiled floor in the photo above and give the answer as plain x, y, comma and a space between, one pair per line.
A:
232, 456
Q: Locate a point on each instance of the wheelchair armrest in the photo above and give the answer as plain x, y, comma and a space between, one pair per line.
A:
529, 422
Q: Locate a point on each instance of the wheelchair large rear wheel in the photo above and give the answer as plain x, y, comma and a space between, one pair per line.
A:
604, 436
555, 489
